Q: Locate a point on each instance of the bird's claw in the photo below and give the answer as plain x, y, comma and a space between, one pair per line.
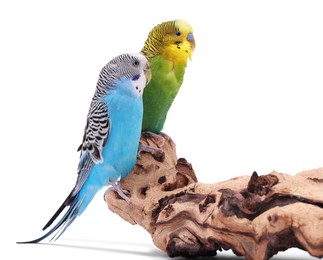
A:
122, 193
168, 138
157, 139
157, 153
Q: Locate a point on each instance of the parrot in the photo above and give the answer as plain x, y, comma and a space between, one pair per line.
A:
111, 137
168, 47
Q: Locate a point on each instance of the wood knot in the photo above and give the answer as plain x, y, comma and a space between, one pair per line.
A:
261, 185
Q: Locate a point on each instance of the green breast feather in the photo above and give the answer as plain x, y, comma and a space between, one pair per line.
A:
160, 93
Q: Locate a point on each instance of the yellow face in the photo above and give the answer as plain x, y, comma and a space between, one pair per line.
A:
179, 42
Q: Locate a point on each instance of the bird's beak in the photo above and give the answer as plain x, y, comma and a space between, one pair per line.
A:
191, 40
147, 72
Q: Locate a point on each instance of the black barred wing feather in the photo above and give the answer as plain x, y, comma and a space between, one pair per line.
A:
96, 131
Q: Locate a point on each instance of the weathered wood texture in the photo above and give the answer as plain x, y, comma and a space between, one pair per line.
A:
255, 216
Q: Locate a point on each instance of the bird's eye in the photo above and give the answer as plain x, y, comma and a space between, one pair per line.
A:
136, 63
178, 34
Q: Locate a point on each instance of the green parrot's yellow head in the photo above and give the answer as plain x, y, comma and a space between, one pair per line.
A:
173, 40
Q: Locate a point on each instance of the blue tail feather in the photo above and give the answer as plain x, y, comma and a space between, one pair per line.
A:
63, 224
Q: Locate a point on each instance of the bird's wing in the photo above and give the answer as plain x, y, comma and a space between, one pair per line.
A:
95, 137
96, 131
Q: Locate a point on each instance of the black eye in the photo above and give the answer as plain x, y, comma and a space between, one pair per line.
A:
136, 63
178, 34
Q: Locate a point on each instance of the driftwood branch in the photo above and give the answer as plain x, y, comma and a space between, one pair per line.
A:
255, 216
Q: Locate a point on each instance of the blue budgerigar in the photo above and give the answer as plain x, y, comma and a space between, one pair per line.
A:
111, 137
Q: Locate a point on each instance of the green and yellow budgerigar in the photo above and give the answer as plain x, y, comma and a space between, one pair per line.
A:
168, 47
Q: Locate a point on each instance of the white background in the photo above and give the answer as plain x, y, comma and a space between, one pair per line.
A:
251, 100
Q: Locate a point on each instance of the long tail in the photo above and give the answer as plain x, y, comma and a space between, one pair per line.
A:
74, 204
77, 201
77, 204
69, 200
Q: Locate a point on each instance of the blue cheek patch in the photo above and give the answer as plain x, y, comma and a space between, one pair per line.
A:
190, 37
136, 77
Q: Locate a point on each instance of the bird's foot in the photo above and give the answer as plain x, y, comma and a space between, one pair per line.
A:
159, 140
156, 138
122, 193
168, 138
157, 153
